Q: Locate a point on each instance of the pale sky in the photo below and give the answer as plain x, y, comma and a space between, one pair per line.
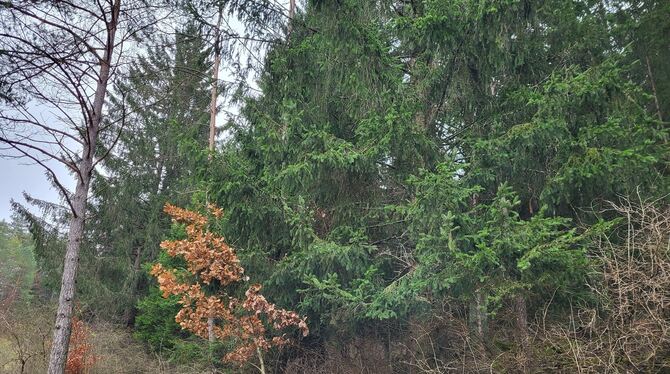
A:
18, 175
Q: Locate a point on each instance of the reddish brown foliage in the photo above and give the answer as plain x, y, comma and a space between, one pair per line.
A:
79, 356
209, 258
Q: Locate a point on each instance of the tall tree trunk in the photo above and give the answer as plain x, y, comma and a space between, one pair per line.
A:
129, 313
63, 325
212, 125
521, 316
291, 15
215, 83
291, 9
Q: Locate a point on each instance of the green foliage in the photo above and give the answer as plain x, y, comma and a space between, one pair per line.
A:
155, 322
399, 156
442, 150
17, 262
589, 139
508, 256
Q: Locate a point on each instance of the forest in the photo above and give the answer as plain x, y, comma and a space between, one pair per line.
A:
336, 186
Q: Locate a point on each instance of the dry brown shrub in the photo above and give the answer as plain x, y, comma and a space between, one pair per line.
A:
441, 343
25, 338
630, 332
80, 357
363, 354
118, 353
444, 344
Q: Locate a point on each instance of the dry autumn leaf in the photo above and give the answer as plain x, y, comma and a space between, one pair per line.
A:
209, 258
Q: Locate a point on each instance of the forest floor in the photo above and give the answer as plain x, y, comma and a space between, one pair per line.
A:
110, 349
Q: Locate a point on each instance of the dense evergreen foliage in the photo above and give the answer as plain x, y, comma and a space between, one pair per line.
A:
17, 261
429, 182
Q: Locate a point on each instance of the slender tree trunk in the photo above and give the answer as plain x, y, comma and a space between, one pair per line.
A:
210, 329
129, 313
522, 333
478, 316
212, 126
215, 83
291, 15
211, 338
63, 325
653, 89
291, 9
215, 94
260, 360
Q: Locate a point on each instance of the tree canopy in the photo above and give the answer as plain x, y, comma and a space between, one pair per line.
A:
431, 184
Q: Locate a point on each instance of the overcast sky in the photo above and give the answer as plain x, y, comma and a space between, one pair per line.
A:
18, 176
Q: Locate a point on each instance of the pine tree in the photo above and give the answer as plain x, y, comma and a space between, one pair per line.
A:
488, 128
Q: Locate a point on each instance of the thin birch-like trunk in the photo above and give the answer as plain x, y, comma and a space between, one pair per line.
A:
212, 124
260, 360
291, 15
210, 329
215, 84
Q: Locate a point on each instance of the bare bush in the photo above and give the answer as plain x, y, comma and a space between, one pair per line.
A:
446, 344
25, 339
25, 342
358, 355
630, 331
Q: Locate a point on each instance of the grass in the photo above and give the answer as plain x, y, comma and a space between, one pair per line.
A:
25, 334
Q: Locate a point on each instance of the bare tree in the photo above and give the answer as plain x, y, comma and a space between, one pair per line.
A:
57, 62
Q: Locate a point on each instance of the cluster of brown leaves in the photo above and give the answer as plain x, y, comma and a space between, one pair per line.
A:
208, 257
80, 358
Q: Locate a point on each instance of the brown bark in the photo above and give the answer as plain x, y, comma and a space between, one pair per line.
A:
521, 316
653, 89
63, 325
129, 313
